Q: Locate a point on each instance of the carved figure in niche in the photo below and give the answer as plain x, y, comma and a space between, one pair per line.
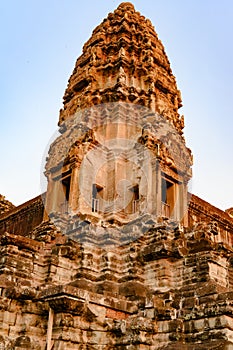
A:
150, 59
122, 52
147, 40
122, 76
133, 28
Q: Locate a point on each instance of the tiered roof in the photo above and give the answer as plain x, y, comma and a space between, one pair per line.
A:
124, 61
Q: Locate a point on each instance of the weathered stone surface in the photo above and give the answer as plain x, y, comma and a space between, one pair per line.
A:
124, 61
5, 205
117, 279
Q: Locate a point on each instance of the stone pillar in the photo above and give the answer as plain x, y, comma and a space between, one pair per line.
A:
184, 208
74, 188
57, 195
177, 198
50, 330
158, 200
50, 201
153, 188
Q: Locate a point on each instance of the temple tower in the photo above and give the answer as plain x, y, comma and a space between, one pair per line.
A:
121, 154
124, 61
114, 261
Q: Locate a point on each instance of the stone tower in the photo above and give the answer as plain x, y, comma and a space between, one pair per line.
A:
121, 154
120, 256
124, 61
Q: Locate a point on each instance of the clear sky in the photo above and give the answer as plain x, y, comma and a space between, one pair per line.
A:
40, 41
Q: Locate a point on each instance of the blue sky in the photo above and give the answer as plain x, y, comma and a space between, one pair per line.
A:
40, 42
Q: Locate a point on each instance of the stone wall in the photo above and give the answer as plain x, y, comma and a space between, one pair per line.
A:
96, 283
169, 289
22, 219
5, 205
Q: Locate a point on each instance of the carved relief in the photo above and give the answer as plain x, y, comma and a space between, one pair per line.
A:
150, 62
121, 272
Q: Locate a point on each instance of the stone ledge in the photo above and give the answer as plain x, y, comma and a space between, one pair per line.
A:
72, 293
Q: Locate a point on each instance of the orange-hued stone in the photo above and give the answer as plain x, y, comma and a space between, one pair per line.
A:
117, 254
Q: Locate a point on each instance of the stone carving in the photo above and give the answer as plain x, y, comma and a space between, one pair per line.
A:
153, 63
5, 205
122, 77
117, 280
230, 212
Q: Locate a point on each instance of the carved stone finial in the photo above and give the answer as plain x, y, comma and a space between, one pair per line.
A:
126, 6
5, 205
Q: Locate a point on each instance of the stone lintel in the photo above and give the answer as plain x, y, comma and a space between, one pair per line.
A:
20, 241
80, 295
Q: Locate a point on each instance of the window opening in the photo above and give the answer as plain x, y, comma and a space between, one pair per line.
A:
135, 199
96, 195
167, 197
65, 181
